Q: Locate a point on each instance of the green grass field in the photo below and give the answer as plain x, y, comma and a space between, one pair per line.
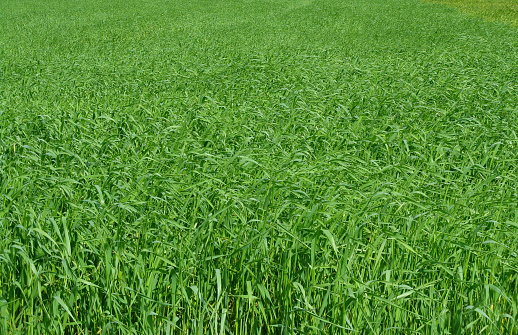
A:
257, 167
495, 10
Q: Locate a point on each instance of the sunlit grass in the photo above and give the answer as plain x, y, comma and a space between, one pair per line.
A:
255, 167
495, 10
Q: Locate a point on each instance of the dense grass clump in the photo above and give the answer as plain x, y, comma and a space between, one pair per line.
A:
254, 167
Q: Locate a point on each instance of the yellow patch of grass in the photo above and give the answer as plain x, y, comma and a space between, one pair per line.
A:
494, 10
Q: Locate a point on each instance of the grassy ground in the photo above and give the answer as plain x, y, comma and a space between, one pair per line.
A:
494, 10
253, 167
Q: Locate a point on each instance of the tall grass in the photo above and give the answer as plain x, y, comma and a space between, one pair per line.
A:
254, 167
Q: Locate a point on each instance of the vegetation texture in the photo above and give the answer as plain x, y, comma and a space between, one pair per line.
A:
255, 167
502, 10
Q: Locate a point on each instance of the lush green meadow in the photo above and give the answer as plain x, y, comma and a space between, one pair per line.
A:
257, 167
500, 10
